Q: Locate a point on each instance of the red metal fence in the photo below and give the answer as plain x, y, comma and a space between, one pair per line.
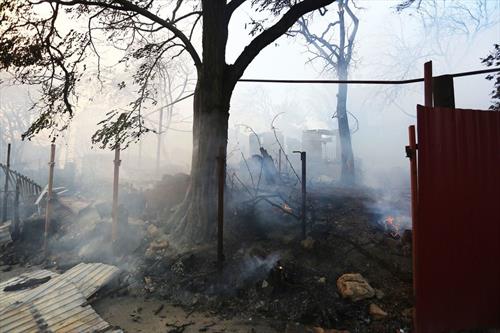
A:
457, 231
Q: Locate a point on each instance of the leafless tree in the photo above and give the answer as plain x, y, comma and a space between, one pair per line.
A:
334, 48
15, 118
174, 82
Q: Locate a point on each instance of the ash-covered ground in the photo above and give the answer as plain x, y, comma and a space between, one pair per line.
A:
352, 272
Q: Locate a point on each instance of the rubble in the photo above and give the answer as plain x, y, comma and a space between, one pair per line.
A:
322, 330
379, 294
157, 247
5, 236
408, 313
354, 287
376, 312
308, 243
153, 231
269, 273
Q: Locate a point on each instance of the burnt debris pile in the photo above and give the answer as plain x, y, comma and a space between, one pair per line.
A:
351, 272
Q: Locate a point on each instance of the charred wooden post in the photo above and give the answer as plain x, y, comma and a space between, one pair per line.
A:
443, 91
428, 84
304, 192
221, 166
6, 186
116, 179
49, 196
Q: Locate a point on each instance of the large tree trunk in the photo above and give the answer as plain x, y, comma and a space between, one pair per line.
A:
195, 220
347, 157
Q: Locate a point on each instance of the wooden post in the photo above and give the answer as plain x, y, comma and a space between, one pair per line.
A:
116, 179
443, 91
428, 83
221, 165
49, 196
304, 192
6, 186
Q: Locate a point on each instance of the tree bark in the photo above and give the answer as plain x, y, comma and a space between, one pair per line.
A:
343, 59
347, 156
195, 220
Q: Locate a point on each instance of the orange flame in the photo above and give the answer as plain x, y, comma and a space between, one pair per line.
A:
287, 208
392, 226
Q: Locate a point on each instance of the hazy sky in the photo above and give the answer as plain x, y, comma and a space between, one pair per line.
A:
389, 45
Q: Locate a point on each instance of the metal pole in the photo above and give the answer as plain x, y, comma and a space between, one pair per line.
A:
116, 179
49, 195
304, 192
6, 187
411, 153
221, 166
428, 83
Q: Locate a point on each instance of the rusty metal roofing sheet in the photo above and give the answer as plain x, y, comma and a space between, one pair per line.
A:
457, 231
5, 237
9, 297
56, 306
89, 278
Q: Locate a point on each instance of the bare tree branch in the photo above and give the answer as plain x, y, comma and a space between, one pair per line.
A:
274, 32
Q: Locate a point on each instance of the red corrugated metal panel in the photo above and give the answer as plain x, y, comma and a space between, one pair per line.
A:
457, 241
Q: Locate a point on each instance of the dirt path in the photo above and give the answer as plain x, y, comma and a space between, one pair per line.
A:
137, 314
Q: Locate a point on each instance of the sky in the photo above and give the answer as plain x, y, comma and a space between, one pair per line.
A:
389, 45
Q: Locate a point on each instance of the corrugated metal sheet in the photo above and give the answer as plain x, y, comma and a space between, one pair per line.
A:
89, 278
457, 234
74, 204
5, 237
10, 297
56, 306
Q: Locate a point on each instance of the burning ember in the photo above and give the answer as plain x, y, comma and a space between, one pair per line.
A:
392, 227
287, 208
